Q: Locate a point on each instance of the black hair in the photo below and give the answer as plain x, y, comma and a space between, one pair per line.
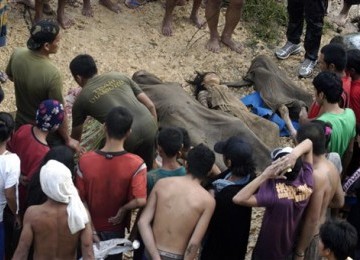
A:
170, 139
316, 133
83, 65
353, 61
200, 160
291, 176
118, 122
7, 126
245, 166
59, 153
186, 138
198, 82
330, 84
335, 54
340, 237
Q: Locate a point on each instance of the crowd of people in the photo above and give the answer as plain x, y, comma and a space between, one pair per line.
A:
57, 200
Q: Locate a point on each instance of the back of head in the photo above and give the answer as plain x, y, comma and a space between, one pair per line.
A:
240, 155
62, 154
83, 65
314, 131
118, 122
44, 31
330, 84
353, 62
49, 115
200, 160
340, 237
186, 138
335, 54
170, 139
7, 126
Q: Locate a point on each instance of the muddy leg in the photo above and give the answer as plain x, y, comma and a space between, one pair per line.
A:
212, 12
284, 112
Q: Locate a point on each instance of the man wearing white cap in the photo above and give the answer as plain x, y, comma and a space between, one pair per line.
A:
56, 226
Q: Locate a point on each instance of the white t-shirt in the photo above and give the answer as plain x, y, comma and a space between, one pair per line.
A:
9, 176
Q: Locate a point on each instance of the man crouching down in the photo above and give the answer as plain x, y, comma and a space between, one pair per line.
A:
57, 225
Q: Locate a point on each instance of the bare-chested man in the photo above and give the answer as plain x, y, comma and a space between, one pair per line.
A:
169, 7
57, 225
327, 190
233, 15
179, 209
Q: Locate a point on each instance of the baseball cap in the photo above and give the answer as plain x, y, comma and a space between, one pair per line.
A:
235, 149
279, 152
49, 115
42, 32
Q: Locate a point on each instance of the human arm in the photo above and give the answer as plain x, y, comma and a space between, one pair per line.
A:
132, 204
76, 132
26, 237
69, 141
146, 101
199, 231
144, 225
87, 242
338, 199
10, 195
346, 159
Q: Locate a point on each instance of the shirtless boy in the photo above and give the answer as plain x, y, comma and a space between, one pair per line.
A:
56, 226
179, 209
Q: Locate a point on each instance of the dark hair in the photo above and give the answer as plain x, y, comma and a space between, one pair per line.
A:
316, 133
118, 122
200, 160
170, 139
335, 54
59, 153
244, 167
353, 61
83, 65
330, 84
291, 176
7, 126
340, 237
186, 138
198, 82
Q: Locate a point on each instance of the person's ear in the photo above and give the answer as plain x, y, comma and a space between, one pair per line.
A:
228, 163
46, 46
332, 67
128, 133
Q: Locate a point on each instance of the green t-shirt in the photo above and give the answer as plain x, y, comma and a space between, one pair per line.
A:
36, 79
154, 175
343, 130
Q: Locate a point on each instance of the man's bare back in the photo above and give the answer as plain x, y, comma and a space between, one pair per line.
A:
181, 203
47, 226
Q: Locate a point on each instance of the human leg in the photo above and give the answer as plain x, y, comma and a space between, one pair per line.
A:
194, 14
110, 5
212, 12
167, 21
38, 10
87, 10
63, 20
233, 15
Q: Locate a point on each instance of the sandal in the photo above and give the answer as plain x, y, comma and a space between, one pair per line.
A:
133, 4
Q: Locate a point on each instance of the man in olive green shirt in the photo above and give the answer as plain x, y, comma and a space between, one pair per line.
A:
101, 93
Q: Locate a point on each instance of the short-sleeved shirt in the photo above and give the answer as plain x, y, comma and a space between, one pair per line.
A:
154, 175
107, 181
285, 203
343, 130
9, 176
36, 79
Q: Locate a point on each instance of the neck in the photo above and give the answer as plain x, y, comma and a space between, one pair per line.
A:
40, 135
191, 178
113, 145
332, 108
169, 163
42, 52
341, 74
2, 147
318, 158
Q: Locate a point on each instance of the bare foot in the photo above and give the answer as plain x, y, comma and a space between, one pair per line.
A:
28, 3
110, 5
167, 27
65, 21
197, 21
235, 46
213, 45
284, 112
87, 11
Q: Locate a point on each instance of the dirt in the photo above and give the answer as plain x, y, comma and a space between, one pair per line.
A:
132, 40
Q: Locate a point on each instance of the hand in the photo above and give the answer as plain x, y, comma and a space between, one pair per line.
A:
118, 218
96, 240
274, 171
24, 180
17, 223
303, 113
73, 144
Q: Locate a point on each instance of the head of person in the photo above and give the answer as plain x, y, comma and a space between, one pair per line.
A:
83, 67
318, 132
333, 58
118, 123
63, 154
338, 238
280, 152
186, 145
44, 36
169, 142
237, 155
202, 79
328, 87
353, 62
200, 160
7, 126
49, 115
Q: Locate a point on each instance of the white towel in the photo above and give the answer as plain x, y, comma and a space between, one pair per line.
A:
57, 184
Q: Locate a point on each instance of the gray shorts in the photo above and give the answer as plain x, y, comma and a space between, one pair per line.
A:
312, 252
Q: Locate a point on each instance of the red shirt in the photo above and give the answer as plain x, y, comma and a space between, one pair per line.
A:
315, 107
355, 99
31, 153
107, 181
